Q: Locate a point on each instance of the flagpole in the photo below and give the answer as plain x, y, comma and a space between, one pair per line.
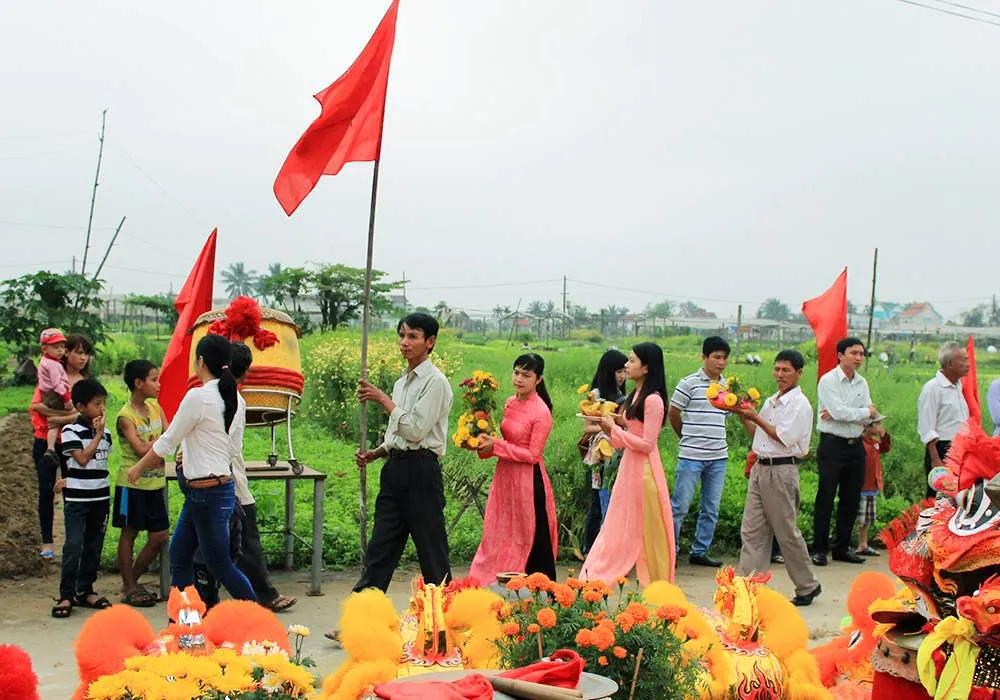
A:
365, 322
871, 311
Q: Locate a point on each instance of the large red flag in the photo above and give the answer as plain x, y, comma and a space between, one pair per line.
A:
349, 127
970, 384
827, 314
194, 299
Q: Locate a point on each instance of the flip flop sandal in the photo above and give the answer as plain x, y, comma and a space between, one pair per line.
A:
282, 602
334, 636
868, 552
100, 604
60, 611
139, 598
152, 592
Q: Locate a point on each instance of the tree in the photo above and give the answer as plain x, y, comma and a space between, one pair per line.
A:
45, 299
852, 308
975, 316
537, 309
340, 291
579, 313
610, 317
689, 309
239, 280
287, 284
266, 283
665, 309
501, 314
774, 309
159, 303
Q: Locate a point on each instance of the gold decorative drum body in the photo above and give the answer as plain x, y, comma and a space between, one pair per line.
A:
273, 386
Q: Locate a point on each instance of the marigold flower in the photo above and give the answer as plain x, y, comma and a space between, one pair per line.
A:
626, 622
584, 638
516, 583
712, 392
671, 613
537, 582
620, 652
584, 388
546, 618
472, 442
622, 581
564, 595
638, 611
510, 628
574, 583
602, 660
753, 394
533, 628
730, 400
482, 424
603, 637
592, 596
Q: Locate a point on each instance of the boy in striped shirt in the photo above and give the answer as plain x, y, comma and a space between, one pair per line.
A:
86, 444
703, 452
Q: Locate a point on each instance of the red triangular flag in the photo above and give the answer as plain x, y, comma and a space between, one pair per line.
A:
827, 314
970, 384
349, 127
195, 298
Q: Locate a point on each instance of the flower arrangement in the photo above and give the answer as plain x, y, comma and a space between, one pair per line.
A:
592, 404
480, 407
258, 670
732, 395
640, 647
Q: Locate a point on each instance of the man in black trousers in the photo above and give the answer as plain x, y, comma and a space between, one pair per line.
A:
845, 408
411, 492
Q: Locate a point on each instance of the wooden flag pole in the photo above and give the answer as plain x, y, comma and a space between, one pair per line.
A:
871, 311
365, 321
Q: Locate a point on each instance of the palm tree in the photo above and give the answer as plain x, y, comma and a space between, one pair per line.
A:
266, 284
239, 280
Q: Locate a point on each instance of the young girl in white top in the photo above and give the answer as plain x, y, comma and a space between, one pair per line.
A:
203, 421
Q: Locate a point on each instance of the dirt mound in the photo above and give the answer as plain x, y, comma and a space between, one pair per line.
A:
19, 536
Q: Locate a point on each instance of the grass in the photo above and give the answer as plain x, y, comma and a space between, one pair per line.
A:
568, 365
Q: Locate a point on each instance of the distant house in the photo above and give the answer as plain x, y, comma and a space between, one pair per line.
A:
917, 317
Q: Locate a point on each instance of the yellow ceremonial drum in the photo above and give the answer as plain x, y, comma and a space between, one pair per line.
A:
273, 386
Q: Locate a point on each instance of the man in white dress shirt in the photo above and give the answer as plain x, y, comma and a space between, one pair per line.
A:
845, 408
781, 433
941, 408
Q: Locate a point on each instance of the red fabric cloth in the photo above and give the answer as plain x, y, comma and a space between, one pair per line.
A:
886, 687
474, 687
563, 671
509, 524
39, 423
970, 384
874, 449
349, 127
195, 298
751, 461
827, 314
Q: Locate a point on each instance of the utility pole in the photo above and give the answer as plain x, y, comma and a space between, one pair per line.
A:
406, 304
993, 312
871, 310
739, 328
565, 306
74, 264
108, 251
93, 194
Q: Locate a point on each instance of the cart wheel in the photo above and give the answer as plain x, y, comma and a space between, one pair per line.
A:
297, 467
272, 460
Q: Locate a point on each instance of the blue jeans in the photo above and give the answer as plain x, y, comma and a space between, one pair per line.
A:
712, 474
204, 524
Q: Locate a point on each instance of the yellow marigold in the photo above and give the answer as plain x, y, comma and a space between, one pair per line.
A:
510, 628
472, 442
730, 400
533, 628
620, 652
482, 424
712, 392
546, 618
602, 660
753, 394
584, 638
584, 388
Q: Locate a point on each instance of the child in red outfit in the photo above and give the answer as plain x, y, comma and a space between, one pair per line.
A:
877, 442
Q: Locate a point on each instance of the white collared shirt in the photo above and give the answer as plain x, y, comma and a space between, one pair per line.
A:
420, 420
208, 449
941, 409
846, 399
791, 415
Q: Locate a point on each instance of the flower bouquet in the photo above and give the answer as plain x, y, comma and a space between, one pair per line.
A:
732, 395
592, 405
480, 407
640, 647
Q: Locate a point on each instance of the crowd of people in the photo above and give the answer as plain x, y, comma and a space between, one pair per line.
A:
633, 525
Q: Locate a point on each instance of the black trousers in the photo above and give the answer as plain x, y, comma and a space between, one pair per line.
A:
540, 559
47, 476
841, 467
86, 523
410, 503
942, 449
251, 562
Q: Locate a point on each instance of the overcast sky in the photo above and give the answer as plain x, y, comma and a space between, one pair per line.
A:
721, 151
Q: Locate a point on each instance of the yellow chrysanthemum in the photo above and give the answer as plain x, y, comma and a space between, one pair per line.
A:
482, 424
753, 394
181, 689
233, 682
472, 442
106, 688
584, 388
730, 400
712, 392
300, 630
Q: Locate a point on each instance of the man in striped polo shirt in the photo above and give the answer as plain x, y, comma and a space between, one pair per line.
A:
86, 444
703, 451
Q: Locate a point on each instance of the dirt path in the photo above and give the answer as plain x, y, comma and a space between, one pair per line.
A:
25, 620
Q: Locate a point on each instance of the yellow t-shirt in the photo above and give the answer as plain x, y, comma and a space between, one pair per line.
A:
148, 428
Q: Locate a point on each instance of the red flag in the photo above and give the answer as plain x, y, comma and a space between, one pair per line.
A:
349, 127
827, 314
194, 299
970, 384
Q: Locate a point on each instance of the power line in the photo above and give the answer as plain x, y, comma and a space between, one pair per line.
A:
968, 7
52, 226
163, 190
145, 272
35, 264
483, 286
28, 137
662, 294
951, 12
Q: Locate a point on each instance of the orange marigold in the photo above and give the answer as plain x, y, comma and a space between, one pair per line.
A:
605, 621
537, 582
589, 615
496, 606
510, 628
592, 596
626, 622
602, 660
638, 611
604, 638
584, 638
574, 583
672, 613
516, 583
564, 595
533, 628
546, 618
620, 652
622, 581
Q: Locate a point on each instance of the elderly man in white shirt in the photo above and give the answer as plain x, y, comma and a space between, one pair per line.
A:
781, 433
941, 408
845, 408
